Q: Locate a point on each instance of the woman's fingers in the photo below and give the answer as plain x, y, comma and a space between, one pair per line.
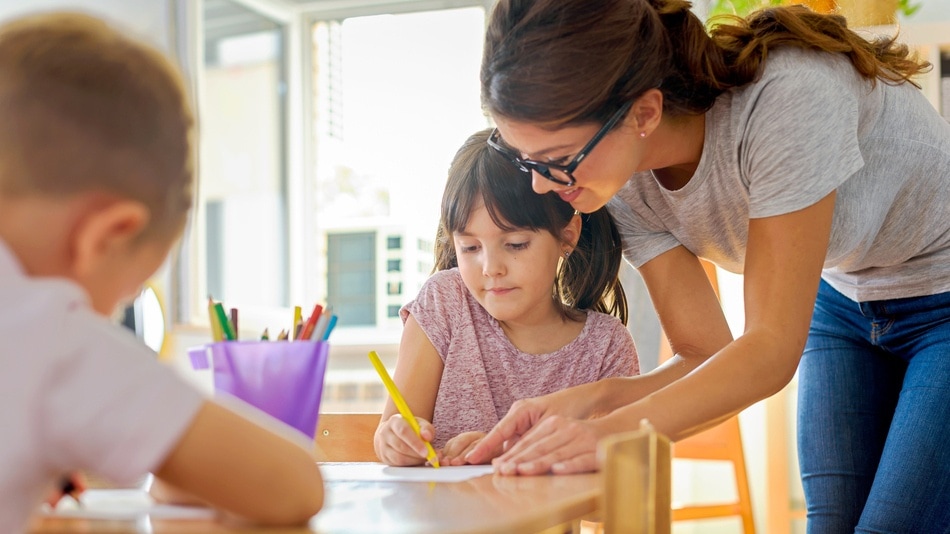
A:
568, 444
468, 449
523, 415
584, 462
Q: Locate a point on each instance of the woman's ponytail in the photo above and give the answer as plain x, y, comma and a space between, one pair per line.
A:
745, 43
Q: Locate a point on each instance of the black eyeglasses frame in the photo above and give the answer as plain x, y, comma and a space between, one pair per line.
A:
544, 169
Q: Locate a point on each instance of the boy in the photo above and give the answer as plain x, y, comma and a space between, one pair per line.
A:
95, 187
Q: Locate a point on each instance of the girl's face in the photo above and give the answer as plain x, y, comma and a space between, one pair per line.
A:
511, 274
598, 177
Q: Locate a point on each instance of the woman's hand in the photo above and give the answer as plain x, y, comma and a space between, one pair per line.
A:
397, 444
576, 402
558, 445
458, 447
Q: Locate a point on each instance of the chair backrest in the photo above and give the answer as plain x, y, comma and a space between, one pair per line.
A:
722, 442
346, 437
636, 467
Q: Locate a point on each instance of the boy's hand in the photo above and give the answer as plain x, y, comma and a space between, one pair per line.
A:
397, 444
459, 446
71, 485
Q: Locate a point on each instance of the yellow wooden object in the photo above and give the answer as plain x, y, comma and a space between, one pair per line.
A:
636, 468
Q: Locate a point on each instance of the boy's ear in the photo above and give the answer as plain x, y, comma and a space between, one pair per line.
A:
105, 231
571, 233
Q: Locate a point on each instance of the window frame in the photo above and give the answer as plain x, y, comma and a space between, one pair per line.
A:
297, 19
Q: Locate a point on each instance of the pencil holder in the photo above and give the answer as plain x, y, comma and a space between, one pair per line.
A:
282, 379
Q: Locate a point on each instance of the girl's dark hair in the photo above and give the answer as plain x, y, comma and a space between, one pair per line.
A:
577, 61
589, 277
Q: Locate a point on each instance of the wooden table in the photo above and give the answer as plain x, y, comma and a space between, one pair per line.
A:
486, 504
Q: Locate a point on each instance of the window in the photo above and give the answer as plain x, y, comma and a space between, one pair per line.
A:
242, 189
325, 137
322, 132
393, 97
351, 277
394, 288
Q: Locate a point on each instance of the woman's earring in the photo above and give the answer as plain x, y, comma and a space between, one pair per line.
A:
643, 134
567, 254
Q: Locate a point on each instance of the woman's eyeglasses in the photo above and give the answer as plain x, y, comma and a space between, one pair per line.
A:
560, 174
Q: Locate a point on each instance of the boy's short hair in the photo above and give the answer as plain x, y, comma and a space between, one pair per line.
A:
84, 108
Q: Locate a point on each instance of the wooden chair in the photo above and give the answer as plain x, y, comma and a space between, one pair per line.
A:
636, 469
346, 437
723, 443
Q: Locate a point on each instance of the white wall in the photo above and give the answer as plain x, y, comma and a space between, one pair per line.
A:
150, 20
930, 11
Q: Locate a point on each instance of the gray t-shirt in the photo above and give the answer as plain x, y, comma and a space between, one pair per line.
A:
809, 126
484, 373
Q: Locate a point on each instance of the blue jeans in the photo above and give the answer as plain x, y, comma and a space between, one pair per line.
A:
874, 415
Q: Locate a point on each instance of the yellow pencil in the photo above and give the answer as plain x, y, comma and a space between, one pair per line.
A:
401, 404
298, 320
217, 333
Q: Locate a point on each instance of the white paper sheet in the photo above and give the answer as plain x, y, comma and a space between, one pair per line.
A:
377, 472
123, 504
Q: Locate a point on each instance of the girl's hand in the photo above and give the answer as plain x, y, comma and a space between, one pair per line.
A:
397, 444
556, 445
458, 447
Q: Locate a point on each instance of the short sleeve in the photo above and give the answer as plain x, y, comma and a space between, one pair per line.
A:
437, 307
643, 234
117, 410
798, 140
621, 357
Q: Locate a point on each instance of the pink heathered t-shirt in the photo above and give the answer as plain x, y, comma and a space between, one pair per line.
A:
484, 373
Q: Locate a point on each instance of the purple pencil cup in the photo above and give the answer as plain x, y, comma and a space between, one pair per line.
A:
282, 379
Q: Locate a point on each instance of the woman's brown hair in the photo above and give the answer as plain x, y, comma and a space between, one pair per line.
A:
588, 278
573, 61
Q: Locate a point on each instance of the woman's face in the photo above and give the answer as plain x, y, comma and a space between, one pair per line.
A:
606, 168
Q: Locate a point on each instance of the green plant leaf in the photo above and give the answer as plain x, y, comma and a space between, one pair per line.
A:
740, 8
907, 8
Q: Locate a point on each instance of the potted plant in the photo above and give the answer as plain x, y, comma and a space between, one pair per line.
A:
858, 12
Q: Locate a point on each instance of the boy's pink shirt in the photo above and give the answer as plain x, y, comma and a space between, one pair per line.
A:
484, 373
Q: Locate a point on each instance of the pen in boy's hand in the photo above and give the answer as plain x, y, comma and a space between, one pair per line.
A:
69, 489
71, 486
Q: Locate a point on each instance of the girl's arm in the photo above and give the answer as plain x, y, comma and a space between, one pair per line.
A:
418, 375
263, 473
784, 258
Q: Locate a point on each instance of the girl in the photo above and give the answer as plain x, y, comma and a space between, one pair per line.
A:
785, 147
525, 301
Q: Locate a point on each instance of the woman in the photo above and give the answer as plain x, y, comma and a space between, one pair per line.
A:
784, 147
